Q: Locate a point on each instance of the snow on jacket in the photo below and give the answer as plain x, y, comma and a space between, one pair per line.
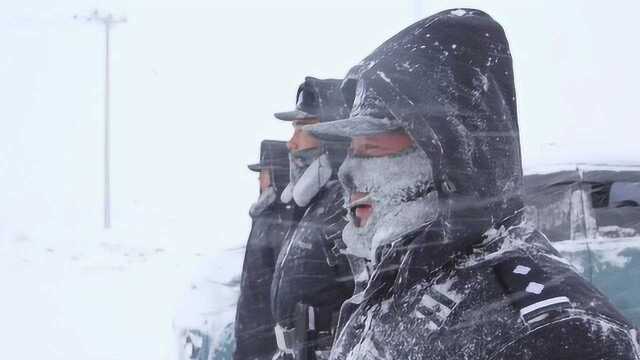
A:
478, 283
464, 309
309, 270
255, 338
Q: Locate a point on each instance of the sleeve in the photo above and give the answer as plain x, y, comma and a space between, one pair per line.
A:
565, 317
255, 338
309, 271
577, 338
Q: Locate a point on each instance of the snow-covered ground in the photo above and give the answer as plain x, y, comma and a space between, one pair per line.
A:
106, 296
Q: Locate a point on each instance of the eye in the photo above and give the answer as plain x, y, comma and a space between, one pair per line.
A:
366, 151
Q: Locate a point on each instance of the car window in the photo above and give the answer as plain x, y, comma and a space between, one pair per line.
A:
600, 195
623, 194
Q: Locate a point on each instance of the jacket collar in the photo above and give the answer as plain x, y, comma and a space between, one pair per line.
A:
402, 263
422, 254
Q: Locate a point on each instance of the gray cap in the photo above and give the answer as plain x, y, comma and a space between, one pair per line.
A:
354, 126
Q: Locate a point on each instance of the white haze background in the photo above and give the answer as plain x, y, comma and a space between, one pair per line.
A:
194, 84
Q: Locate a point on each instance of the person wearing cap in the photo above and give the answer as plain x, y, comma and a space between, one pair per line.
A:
312, 278
272, 221
434, 187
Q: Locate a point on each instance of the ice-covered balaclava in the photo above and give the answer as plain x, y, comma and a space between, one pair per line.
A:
266, 198
299, 162
309, 171
400, 190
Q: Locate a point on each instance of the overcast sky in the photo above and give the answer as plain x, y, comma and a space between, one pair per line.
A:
195, 83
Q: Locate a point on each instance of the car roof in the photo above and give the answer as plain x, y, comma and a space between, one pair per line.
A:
557, 174
579, 166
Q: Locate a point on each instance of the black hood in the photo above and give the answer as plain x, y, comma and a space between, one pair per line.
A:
448, 81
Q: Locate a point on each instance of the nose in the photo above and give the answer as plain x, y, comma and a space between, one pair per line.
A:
292, 144
356, 148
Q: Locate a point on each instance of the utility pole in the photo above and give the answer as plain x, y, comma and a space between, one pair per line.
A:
108, 21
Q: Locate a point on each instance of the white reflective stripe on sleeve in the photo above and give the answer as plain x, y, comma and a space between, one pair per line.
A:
282, 344
312, 318
542, 304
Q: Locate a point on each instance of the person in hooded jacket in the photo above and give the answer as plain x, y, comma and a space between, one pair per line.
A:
272, 221
312, 279
434, 188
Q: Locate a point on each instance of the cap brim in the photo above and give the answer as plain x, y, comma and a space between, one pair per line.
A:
355, 126
260, 167
294, 115
255, 167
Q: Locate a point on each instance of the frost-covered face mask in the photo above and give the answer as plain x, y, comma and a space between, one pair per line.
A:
400, 191
310, 170
266, 198
300, 160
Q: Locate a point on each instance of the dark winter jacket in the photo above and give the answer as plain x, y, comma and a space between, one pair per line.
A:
254, 324
310, 271
477, 283
512, 297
